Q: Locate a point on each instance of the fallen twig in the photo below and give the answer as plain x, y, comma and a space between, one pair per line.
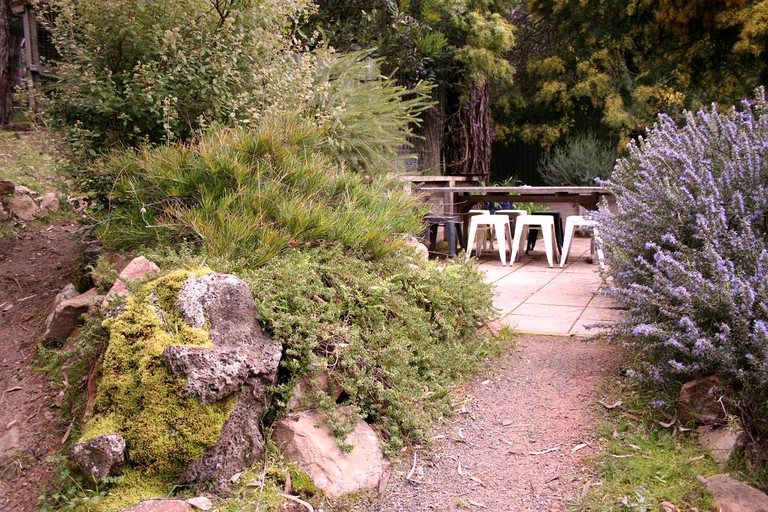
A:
579, 447
67, 433
413, 468
2, 398
542, 452
298, 500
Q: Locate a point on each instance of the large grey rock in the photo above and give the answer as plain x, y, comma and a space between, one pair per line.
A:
214, 373
698, 401
306, 439
98, 456
734, 496
66, 313
722, 443
243, 359
225, 304
23, 207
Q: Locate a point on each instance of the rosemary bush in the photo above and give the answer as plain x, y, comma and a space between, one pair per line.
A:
689, 251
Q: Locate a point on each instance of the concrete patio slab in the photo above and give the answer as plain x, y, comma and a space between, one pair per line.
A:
534, 298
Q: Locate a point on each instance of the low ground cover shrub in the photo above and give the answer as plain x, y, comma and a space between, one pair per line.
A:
395, 334
689, 253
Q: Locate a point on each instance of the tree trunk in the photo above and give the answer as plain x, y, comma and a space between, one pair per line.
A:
6, 64
429, 143
468, 135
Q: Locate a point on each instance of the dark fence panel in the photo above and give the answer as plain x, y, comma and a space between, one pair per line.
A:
517, 160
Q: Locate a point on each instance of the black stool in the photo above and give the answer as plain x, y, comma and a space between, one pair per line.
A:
453, 232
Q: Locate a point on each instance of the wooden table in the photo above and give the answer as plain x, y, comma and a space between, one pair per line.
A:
460, 199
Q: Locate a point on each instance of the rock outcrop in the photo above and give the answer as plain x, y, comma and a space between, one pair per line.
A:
734, 496
98, 456
66, 313
49, 202
137, 269
306, 439
243, 359
722, 442
23, 207
25, 204
239, 367
7, 188
698, 401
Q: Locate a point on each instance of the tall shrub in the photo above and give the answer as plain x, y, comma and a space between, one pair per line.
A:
157, 70
689, 251
578, 162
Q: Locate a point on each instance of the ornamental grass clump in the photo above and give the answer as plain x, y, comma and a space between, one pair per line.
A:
689, 252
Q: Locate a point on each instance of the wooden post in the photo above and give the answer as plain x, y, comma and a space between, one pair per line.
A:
31, 53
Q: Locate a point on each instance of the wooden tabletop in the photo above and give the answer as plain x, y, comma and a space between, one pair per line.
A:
521, 190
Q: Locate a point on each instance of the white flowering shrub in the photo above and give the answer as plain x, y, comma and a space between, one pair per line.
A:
688, 250
157, 70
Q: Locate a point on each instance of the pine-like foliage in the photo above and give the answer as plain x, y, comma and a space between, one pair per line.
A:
250, 194
580, 161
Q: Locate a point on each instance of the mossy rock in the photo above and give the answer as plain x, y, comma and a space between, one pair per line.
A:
166, 429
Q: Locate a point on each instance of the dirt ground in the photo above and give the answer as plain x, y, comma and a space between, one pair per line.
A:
521, 437
518, 442
34, 267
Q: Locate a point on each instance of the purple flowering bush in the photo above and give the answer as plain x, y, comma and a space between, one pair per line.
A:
688, 249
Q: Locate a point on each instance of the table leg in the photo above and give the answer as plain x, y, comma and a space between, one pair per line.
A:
433, 237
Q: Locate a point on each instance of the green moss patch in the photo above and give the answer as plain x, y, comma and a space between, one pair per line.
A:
139, 399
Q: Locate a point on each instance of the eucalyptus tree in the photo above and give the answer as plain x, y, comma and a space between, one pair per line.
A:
458, 45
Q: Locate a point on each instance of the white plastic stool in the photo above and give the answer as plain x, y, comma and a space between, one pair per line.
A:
512, 214
547, 225
500, 224
571, 223
486, 233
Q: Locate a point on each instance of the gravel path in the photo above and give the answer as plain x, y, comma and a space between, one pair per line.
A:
520, 437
